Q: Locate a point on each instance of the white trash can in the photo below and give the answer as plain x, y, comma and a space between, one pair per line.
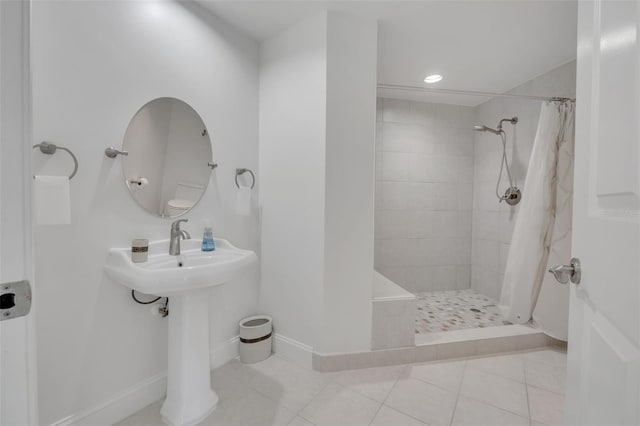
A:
255, 338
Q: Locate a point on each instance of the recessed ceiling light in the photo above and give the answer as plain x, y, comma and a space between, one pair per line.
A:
433, 78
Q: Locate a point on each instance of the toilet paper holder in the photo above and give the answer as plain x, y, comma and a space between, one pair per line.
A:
111, 152
138, 181
242, 171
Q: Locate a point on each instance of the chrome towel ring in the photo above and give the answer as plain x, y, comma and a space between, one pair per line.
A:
243, 171
50, 149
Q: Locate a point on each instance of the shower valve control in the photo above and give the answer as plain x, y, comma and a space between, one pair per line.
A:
15, 299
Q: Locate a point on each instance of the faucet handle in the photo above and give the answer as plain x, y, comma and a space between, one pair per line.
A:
175, 226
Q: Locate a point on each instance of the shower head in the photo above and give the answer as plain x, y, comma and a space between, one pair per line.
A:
487, 129
497, 131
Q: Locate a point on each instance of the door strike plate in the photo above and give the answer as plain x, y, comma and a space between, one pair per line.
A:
15, 299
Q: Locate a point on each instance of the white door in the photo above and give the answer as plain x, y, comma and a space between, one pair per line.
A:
604, 329
17, 335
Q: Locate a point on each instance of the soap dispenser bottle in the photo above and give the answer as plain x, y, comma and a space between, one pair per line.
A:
207, 240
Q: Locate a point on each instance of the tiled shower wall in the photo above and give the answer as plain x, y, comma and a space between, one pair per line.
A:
493, 222
428, 162
424, 174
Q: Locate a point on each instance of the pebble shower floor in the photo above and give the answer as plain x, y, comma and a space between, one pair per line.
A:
455, 310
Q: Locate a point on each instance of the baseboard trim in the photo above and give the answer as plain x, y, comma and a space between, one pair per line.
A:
146, 392
225, 352
120, 405
436, 351
293, 350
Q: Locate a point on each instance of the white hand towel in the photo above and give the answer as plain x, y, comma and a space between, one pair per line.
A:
52, 200
243, 202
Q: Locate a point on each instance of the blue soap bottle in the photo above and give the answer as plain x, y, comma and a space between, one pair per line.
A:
207, 240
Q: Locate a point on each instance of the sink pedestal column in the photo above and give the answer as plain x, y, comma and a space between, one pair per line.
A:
190, 398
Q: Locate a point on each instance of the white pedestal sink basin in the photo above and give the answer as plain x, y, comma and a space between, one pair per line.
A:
186, 279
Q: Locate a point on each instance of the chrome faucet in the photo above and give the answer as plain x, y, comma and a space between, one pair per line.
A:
177, 234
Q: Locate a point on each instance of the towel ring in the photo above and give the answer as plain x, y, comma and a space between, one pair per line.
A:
243, 171
50, 149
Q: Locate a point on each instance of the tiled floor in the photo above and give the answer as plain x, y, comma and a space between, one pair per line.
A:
455, 310
517, 389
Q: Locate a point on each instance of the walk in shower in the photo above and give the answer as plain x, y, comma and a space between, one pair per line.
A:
424, 212
448, 192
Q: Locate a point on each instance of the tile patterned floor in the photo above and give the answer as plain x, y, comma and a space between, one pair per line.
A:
516, 389
455, 310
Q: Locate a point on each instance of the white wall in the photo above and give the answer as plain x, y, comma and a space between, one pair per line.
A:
292, 174
317, 113
350, 183
424, 173
493, 221
94, 65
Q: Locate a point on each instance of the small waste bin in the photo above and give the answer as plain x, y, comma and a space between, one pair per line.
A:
255, 338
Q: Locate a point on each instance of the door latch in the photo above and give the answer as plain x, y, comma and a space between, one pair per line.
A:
566, 273
15, 299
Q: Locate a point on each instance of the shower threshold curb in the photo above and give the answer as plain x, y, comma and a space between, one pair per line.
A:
443, 346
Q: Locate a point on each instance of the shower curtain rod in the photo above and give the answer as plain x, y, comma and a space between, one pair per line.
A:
473, 93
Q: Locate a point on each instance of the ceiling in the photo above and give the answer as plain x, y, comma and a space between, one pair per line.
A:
490, 46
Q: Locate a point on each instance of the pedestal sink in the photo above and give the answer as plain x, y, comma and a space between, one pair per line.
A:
186, 279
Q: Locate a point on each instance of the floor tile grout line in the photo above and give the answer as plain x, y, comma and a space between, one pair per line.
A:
299, 412
466, 396
331, 381
527, 384
547, 390
406, 414
367, 396
501, 408
526, 389
376, 414
554, 369
355, 391
436, 385
496, 374
455, 406
296, 416
384, 403
251, 386
258, 391
495, 406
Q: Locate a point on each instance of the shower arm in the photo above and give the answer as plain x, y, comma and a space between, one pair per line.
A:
512, 120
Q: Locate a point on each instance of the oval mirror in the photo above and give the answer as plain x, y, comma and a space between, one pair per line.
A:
167, 169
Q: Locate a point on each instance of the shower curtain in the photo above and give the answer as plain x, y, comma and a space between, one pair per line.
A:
542, 233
